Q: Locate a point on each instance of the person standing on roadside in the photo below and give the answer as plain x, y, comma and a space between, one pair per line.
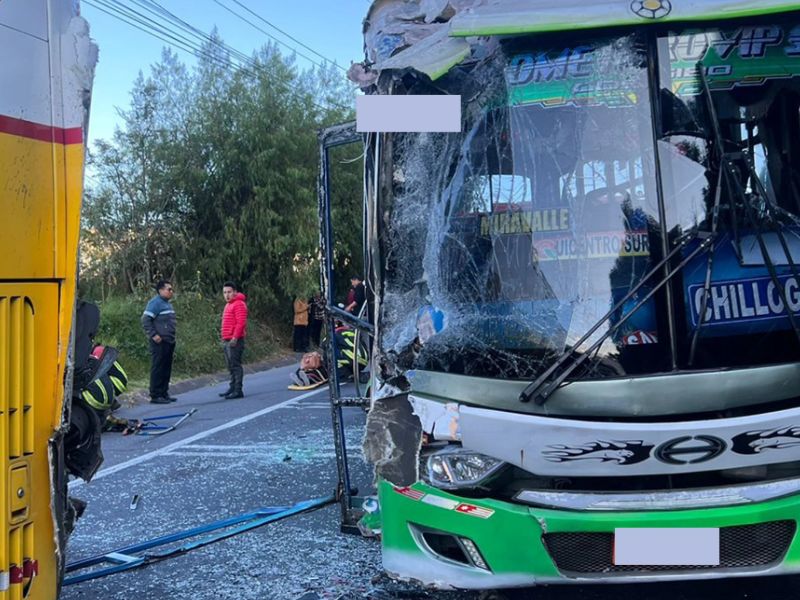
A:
317, 319
233, 333
300, 328
160, 324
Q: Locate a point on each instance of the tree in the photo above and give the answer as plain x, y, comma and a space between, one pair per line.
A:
213, 176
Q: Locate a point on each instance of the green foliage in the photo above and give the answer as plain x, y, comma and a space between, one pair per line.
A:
213, 177
347, 215
198, 348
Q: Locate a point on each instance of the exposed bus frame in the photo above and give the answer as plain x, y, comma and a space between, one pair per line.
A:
349, 502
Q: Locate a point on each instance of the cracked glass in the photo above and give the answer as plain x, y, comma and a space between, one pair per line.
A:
729, 138
508, 242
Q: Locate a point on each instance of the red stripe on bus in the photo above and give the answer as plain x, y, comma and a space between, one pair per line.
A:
43, 133
15, 574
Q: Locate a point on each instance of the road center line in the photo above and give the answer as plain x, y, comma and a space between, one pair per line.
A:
198, 436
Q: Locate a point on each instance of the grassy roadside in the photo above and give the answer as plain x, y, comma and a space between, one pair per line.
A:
198, 351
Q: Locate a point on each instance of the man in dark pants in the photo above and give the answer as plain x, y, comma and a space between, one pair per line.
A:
317, 319
233, 332
160, 324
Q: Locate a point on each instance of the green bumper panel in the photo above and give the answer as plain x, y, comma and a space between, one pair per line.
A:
509, 538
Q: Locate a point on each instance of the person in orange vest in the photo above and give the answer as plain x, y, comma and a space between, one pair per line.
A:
233, 333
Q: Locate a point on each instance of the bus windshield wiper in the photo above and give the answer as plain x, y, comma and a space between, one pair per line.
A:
543, 386
728, 171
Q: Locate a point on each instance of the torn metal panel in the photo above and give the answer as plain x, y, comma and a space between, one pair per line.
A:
392, 440
412, 34
438, 419
72, 59
434, 56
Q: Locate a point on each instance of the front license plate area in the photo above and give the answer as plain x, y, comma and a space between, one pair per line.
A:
668, 546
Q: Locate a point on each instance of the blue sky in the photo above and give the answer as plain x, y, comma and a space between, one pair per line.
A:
332, 28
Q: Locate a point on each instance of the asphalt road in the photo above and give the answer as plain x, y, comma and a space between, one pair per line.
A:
273, 448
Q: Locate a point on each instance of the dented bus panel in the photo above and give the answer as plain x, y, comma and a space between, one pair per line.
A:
46, 78
587, 301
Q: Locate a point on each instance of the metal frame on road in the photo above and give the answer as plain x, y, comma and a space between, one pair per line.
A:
349, 501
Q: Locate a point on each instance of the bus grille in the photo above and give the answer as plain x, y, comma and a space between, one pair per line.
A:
584, 553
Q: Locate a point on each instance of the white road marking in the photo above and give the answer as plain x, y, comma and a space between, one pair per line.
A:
198, 436
210, 454
239, 448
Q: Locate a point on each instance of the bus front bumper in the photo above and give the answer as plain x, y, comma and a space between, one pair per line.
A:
446, 541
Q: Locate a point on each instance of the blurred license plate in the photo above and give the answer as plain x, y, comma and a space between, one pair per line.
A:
669, 546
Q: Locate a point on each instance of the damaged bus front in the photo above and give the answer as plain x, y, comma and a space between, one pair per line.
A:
588, 301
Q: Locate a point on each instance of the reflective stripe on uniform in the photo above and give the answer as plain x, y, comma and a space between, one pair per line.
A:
349, 354
90, 400
120, 369
94, 402
118, 385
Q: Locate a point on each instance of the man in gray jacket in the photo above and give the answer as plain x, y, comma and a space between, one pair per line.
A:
159, 323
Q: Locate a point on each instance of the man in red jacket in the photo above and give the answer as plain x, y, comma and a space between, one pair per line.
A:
234, 330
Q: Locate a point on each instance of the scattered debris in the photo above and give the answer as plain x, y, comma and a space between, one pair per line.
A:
153, 426
146, 425
142, 554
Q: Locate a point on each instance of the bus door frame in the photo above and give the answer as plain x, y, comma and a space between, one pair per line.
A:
349, 502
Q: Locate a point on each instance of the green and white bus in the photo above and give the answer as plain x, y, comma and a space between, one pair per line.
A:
587, 302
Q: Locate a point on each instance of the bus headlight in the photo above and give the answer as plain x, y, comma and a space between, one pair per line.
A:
454, 468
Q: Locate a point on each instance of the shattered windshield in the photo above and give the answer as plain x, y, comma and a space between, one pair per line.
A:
548, 216
550, 224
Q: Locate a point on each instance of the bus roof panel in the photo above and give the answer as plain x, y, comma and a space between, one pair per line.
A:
515, 17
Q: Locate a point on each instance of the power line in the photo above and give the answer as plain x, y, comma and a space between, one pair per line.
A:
157, 9
170, 36
182, 43
163, 33
179, 42
157, 30
276, 28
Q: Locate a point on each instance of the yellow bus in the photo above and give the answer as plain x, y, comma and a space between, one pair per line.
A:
45, 77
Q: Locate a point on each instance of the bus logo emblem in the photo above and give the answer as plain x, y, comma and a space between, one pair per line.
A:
651, 9
690, 450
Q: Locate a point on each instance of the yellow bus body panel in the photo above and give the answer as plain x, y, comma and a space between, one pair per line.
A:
45, 83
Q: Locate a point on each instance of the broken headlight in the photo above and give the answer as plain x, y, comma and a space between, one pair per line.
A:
455, 467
